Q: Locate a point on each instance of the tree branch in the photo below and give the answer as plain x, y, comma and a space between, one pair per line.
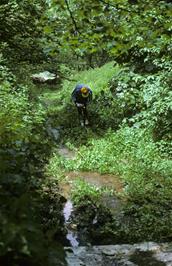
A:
71, 15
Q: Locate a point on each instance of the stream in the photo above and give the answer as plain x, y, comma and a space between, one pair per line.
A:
108, 201
71, 232
94, 179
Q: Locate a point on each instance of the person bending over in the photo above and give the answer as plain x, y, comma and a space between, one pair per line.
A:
81, 96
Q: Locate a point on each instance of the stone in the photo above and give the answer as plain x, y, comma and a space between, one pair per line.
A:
44, 77
145, 246
109, 252
164, 257
120, 255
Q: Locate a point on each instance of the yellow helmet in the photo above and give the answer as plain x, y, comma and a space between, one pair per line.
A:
85, 92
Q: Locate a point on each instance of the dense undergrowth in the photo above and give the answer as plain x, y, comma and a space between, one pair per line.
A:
28, 200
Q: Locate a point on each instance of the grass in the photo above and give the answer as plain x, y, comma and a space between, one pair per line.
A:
97, 79
128, 152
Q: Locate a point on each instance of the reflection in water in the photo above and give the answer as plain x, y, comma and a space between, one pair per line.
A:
72, 237
68, 208
93, 178
96, 179
71, 233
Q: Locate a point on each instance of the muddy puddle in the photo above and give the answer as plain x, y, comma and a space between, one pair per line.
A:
98, 180
92, 178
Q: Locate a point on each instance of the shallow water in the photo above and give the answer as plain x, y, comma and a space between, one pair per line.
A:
99, 180
92, 178
71, 232
68, 208
72, 237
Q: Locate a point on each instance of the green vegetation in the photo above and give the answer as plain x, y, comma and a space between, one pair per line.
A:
63, 96
89, 193
23, 151
135, 152
122, 50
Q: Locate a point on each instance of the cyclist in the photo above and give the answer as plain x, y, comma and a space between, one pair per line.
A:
81, 96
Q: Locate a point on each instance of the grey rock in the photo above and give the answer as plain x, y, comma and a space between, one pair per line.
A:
66, 153
44, 77
126, 263
145, 246
116, 255
54, 133
164, 257
109, 252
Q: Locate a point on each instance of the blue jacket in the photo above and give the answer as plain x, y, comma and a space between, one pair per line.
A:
77, 95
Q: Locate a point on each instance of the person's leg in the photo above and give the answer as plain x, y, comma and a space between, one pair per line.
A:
85, 113
80, 113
